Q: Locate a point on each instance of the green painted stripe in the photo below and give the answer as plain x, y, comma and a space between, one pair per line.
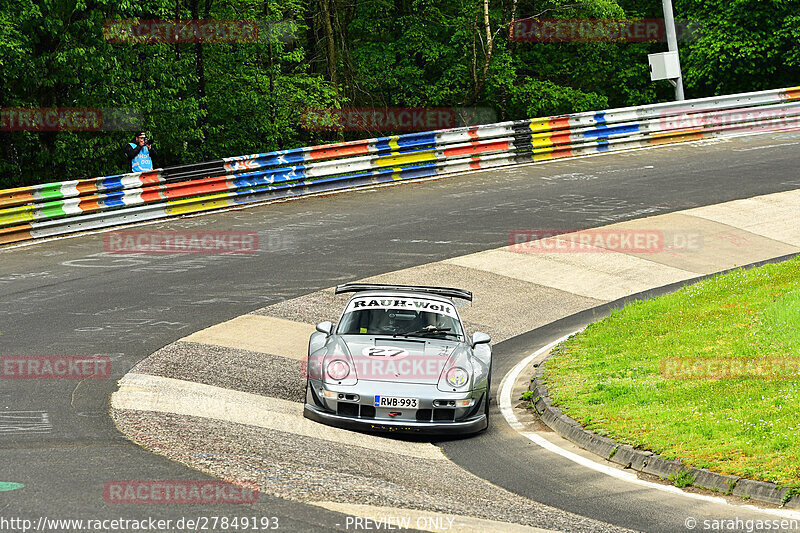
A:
7, 485
51, 191
52, 209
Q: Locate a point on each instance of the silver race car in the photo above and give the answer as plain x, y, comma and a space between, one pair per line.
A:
399, 360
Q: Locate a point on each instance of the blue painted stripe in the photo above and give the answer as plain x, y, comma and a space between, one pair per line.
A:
604, 131
112, 200
114, 183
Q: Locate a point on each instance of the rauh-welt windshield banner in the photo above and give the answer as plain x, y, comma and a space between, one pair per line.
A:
411, 304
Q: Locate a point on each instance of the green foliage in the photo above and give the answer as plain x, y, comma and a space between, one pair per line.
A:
682, 478
527, 395
216, 100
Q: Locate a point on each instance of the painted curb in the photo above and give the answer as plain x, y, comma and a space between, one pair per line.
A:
647, 461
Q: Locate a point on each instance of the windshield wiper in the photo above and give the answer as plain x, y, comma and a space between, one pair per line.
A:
426, 331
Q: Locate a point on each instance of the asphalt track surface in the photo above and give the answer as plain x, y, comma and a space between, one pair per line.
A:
69, 297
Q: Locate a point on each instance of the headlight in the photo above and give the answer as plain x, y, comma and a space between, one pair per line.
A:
338, 369
457, 377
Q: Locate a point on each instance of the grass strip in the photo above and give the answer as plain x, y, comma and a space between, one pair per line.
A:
709, 375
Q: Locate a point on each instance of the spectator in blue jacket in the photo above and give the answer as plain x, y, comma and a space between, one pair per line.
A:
140, 153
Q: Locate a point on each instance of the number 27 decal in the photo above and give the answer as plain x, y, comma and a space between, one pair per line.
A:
384, 351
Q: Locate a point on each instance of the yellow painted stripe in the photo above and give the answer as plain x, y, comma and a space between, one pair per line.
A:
192, 205
543, 156
393, 142
541, 139
396, 174
16, 214
417, 157
540, 124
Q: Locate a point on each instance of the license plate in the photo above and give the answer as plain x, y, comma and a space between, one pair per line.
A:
396, 401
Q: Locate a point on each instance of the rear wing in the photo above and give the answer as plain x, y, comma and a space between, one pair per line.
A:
441, 291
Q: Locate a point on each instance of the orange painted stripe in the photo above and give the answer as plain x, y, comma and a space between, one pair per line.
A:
15, 234
89, 204
677, 138
87, 186
677, 132
793, 93
11, 197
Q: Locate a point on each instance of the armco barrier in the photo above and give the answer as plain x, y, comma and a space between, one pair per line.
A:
79, 205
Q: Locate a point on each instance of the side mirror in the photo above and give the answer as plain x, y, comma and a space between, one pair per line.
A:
480, 338
325, 327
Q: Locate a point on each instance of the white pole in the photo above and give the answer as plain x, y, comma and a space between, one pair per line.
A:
672, 42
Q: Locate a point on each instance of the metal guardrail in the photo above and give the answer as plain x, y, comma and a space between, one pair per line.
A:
71, 206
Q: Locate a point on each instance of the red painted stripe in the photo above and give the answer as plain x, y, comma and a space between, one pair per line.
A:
152, 195
150, 178
477, 148
196, 187
339, 151
559, 123
473, 133
561, 138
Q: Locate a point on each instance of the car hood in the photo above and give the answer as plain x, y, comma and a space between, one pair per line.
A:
409, 360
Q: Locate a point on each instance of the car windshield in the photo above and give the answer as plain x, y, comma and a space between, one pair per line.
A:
400, 317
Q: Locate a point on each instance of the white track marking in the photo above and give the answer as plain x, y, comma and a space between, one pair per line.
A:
507, 410
146, 392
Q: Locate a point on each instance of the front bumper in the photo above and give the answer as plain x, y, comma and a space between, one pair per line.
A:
360, 413
397, 426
